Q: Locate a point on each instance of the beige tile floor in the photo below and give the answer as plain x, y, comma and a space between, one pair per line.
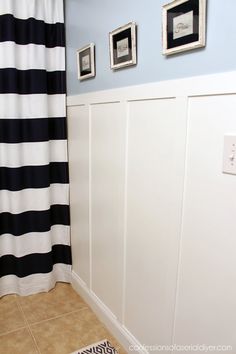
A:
57, 322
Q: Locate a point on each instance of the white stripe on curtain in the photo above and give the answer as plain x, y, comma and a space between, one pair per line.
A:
31, 56
33, 154
34, 242
32, 106
49, 11
33, 199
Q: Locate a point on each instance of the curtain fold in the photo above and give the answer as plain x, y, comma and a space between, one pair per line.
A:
35, 249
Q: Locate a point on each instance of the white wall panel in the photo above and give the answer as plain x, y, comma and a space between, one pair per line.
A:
78, 133
207, 292
154, 196
107, 201
152, 212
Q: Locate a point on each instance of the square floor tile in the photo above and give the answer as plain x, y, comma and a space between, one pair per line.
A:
11, 318
60, 300
61, 335
18, 342
93, 330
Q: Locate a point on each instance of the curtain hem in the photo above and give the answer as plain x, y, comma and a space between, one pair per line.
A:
35, 283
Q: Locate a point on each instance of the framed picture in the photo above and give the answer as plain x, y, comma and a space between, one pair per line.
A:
86, 62
123, 46
183, 25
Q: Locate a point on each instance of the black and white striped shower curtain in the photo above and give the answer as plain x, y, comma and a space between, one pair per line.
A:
34, 212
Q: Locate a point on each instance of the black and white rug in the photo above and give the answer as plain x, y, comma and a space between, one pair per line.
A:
102, 347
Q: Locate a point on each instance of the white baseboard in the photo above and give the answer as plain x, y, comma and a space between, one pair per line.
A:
123, 336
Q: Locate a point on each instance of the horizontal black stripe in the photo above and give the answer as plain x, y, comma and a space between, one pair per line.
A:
32, 130
34, 221
35, 263
31, 31
15, 179
25, 82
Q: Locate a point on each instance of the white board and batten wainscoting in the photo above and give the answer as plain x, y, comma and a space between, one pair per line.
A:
153, 216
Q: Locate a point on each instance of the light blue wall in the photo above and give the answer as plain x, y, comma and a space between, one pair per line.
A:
91, 21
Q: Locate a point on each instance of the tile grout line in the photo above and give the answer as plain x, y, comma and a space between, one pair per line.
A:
56, 317
28, 326
13, 330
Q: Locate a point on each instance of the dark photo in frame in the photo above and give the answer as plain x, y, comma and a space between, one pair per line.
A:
183, 25
123, 46
86, 62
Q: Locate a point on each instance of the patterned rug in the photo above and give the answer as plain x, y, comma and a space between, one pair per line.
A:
102, 347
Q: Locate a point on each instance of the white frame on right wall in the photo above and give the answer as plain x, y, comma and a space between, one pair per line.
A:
183, 25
